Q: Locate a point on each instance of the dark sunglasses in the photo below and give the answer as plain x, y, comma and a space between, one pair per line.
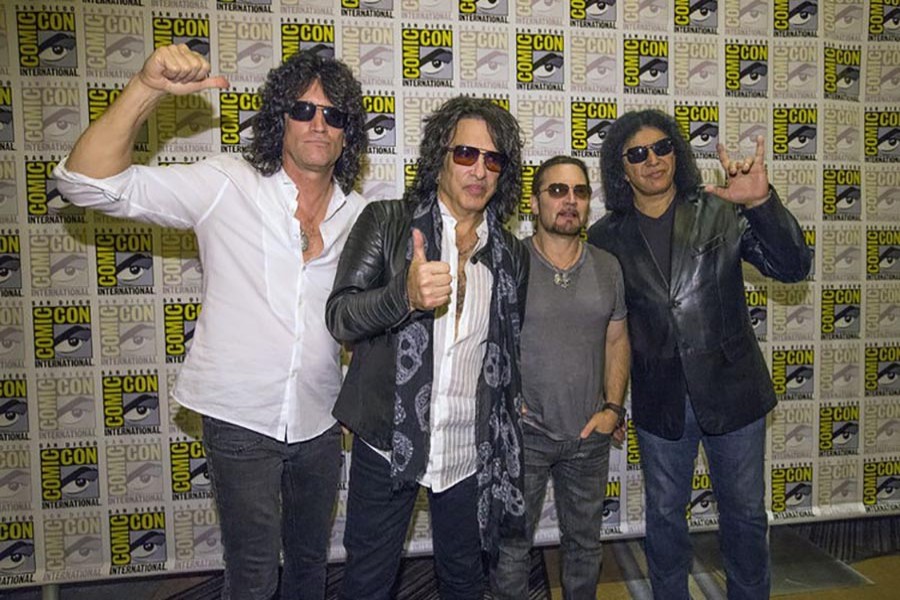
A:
466, 156
305, 111
639, 154
582, 191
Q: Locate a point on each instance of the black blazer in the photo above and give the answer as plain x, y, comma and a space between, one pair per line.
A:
692, 337
368, 304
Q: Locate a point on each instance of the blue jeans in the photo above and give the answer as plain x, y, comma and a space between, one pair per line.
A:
377, 521
738, 481
579, 469
272, 495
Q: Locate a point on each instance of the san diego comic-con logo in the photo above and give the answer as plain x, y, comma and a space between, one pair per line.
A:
543, 126
590, 122
12, 335
695, 69
699, 123
383, 9
427, 56
45, 203
592, 13
758, 310
17, 559
316, 36
838, 482
415, 108
842, 19
746, 17
841, 193
882, 310
882, 253
99, 97
841, 134
795, 18
190, 30
884, 20
130, 403
746, 69
883, 73
66, 405
7, 118
632, 450
410, 167
10, 263
792, 435
881, 484
58, 260
882, 370
793, 371
882, 424
124, 261
47, 41
839, 371
9, 198
634, 497
494, 11
113, 41
245, 6
237, 110
70, 475
882, 135
182, 272
244, 49
127, 329
839, 429
696, 16
652, 15
13, 407
134, 470
703, 508
179, 322
369, 51
842, 252
484, 58
529, 12
51, 116
540, 60
15, 476
592, 63
189, 470
381, 123
198, 537
882, 191
794, 131
842, 66
841, 308
612, 505
795, 69
645, 65
62, 334
381, 180
137, 541
72, 543
791, 490
743, 124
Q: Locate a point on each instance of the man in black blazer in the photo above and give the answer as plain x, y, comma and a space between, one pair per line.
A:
697, 372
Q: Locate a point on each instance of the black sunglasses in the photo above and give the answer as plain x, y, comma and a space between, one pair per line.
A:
305, 111
466, 156
639, 154
582, 191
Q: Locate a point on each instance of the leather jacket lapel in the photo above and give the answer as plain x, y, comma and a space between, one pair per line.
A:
682, 234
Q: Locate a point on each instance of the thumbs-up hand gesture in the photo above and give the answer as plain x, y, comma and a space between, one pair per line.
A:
428, 282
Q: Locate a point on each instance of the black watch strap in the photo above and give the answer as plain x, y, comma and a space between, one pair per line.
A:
616, 408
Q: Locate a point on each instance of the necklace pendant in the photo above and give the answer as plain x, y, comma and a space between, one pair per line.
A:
562, 280
304, 240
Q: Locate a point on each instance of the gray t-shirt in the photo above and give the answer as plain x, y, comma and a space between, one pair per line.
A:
564, 339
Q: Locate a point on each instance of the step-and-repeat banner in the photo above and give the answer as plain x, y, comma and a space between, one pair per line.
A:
101, 474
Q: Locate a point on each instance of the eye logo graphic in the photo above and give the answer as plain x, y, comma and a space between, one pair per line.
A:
62, 335
127, 332
612, 505
113, 42
197, 537
884, 20
124, 262
13, 409
180, 319
181, 268
369, 51
47, 43
59, 262
589, 125
543, 126
881, 485
699, 123
838, 430
484, 58
792, 490
131, 403
493, 11
882, 136
137, 541
882, 370
236, 113
72, 545
645, 65
317, 37
793, 373
134, 470
794, 133
882, 253
758, 308
69, 476
245, 49
841, 194
841, 313
794, 18
696, 16
190, 31
746, 70
45, 203
10, 264
381, 123
703, 507
17, 560
190, 474
842, 71
369, 8
427, 57
15, 475
65, 405
593, 13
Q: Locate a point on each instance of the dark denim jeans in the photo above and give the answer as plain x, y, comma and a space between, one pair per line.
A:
579, 469
272, 495
377, 522
738, 481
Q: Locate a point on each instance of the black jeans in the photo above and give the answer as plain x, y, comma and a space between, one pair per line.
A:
377, 522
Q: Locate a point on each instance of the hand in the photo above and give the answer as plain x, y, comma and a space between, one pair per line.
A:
178, 70
428, 282
746, 180
604, 422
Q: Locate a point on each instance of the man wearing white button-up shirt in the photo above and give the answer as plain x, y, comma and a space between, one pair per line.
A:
263, 370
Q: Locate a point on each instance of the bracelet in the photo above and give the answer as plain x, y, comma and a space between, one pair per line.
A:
616, 408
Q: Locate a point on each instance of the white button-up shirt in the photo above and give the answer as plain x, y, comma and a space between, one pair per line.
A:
261, 357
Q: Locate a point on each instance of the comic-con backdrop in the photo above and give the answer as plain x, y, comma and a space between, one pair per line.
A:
101, 474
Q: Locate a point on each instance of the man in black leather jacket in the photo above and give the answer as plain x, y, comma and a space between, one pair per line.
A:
697, 371
430, 294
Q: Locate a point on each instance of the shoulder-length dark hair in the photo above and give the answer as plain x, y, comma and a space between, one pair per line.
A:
283, 86
619, 197
439, 130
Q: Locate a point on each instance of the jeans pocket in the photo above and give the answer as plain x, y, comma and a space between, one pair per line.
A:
226, 438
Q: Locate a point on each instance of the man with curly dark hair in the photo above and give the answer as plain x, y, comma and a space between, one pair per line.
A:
430, 292
262, 370
697, 374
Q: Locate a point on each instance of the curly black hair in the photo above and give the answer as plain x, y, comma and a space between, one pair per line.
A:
561, 159
283, 86
619, 197
439, 130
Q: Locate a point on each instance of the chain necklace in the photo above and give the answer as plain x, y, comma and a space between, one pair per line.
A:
562, 277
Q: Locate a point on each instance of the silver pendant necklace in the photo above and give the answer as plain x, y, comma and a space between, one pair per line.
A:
562, 279
304, 240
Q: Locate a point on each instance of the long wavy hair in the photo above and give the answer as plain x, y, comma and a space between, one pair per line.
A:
619, 197
283, 86
439, 130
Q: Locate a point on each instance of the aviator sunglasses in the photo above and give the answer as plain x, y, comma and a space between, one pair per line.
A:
556, 191
639, 154
305, 111
466, 156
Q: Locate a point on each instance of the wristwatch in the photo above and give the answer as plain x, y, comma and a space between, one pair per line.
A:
616, 408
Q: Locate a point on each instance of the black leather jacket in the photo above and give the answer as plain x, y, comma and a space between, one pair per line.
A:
692, 337
369, 302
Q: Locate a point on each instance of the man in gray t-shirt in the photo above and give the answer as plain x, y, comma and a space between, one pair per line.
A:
575, 365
